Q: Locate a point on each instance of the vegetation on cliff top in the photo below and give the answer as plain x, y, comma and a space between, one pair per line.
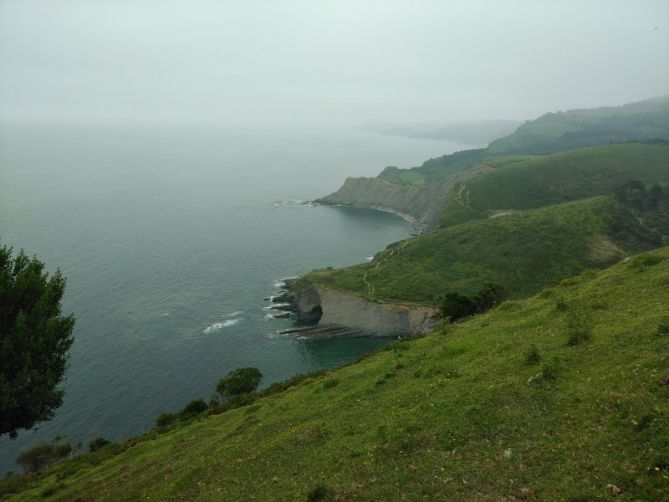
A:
561, 396
523, 252
556, 132
524, 182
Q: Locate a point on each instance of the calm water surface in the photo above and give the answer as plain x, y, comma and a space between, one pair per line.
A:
170, 239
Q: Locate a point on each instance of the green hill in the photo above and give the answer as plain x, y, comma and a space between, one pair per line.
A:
523, 252
525, 182
556, 132
564, 396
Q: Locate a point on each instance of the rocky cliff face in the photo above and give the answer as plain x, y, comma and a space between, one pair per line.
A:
420, 204
338, 313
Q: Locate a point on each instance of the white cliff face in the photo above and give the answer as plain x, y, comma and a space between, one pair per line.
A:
341, 309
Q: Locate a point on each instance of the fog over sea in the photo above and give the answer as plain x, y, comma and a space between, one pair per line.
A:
170, 238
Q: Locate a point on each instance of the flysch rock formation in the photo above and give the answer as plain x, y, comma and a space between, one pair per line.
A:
327, 312
421, 205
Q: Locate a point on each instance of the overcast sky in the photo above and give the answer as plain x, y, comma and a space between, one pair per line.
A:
326, 62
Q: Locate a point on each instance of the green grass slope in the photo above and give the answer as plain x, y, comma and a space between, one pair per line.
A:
529, 182
523, 252
555, 132
500, 407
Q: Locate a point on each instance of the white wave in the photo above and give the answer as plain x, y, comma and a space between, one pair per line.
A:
276, 306
292, 202
234, 314
369, 258
220, 325
164, 314
279, 285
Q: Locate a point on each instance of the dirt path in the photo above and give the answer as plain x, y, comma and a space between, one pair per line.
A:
365, 278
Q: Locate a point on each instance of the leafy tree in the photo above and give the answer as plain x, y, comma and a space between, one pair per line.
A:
239, 381
456, 306
34, 340
489, 296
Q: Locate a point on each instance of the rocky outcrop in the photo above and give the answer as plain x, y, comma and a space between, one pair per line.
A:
339, 313
421, 205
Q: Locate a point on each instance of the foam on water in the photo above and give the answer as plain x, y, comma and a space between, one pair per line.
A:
234, 314
217, 326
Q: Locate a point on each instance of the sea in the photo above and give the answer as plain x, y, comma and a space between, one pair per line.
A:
171, 237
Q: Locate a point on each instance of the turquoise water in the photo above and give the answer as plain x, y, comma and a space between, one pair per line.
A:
170, 239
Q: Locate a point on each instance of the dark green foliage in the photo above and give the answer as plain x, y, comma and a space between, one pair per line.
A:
194, 408
51, 490
663, 327
166, 420
239, 381
97, 443
456, 306
317, 494
489, 296
532, 355
42, 455
579, 327
330, 383
650, 205
34, 340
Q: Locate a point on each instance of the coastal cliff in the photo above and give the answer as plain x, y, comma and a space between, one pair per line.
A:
419, 204
331, 312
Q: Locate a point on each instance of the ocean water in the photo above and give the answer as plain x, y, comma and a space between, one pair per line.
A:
170, 239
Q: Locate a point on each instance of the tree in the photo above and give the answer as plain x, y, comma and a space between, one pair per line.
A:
456, 306
34, 341
490, 295
239, 381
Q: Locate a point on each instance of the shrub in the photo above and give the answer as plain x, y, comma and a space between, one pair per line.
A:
165, 420
455, 306
532, 355
43, 455
663, 327
490, 295
239, 381
317, 494
330, 383
97, 443
578, 328
194, 408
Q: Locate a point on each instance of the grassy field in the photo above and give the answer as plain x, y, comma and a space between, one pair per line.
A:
563, 396
524, 182
523, 252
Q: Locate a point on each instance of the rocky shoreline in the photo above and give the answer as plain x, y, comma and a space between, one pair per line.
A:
323, 312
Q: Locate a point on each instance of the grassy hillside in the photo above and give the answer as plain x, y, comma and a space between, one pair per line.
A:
435, 169
555, 132
535, 181
523, 252
564, 396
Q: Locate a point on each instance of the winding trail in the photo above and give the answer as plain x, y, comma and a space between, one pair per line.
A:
365, 278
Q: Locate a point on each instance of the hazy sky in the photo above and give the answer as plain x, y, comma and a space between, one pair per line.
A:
326, 62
